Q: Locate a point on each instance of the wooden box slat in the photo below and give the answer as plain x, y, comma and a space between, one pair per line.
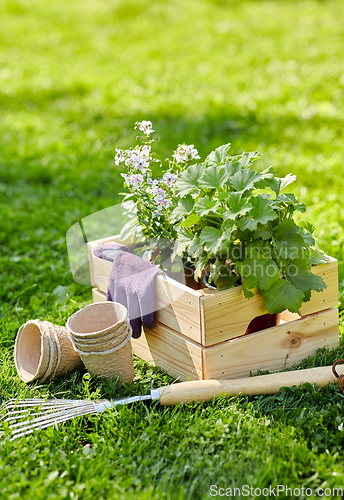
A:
272, 349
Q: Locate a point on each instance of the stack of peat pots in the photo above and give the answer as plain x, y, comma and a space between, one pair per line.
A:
101, 335
44, 351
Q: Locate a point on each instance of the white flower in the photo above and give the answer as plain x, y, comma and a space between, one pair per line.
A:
165, 203
159, 194
145, 151
169, 179
120, 156
126, 178
149, 179
140, 163
145, 126
185, 153
136, 180
341, 427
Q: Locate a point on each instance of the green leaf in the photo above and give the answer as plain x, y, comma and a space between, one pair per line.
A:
244, 180
196, 248
213, 177
205, 205
237, 206
218, 156
210, 238
131, 227
248, 283
285, 181
289, 201
289, 243
307, 238
190, 221
261, 212
200, 264
282, 295
262, 232
306, 225
275, 183
248, 158
188, 179
184, 239
265, 270
231, 167
184, 207
299, 275
318, 257
225, 278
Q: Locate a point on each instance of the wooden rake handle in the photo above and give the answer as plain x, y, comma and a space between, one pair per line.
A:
204, 390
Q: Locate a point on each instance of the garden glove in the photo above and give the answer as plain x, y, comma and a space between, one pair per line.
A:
131, 283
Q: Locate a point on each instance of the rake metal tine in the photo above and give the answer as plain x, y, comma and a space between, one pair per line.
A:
11, 416
42, 408
48, 404
43, 423
57, 414
46, 423
40, 402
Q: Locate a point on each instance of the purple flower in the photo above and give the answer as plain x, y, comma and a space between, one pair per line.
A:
165, 203
169, 179
140, 163
136, 180
159, 195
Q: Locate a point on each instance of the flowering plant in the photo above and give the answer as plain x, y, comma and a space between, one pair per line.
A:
226, 218
150, 201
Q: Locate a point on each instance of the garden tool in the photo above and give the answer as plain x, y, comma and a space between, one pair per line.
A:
26, 416
131, 283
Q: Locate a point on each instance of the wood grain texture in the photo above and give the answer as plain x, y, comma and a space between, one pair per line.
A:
226, 315
205, 390
272, 349
177, 306
328, 297
209, 316
177, 355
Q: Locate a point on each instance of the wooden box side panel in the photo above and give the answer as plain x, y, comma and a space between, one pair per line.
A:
171, 351
177, 306
272, 349
167, 349
226, 315
328, 297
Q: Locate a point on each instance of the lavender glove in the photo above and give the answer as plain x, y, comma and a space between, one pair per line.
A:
131, 283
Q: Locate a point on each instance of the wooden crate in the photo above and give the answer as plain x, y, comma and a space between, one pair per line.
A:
271, 349
199, 334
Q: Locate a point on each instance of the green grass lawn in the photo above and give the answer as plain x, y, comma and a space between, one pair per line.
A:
74, 77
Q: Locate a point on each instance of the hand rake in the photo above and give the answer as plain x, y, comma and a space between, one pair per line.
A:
26, 416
